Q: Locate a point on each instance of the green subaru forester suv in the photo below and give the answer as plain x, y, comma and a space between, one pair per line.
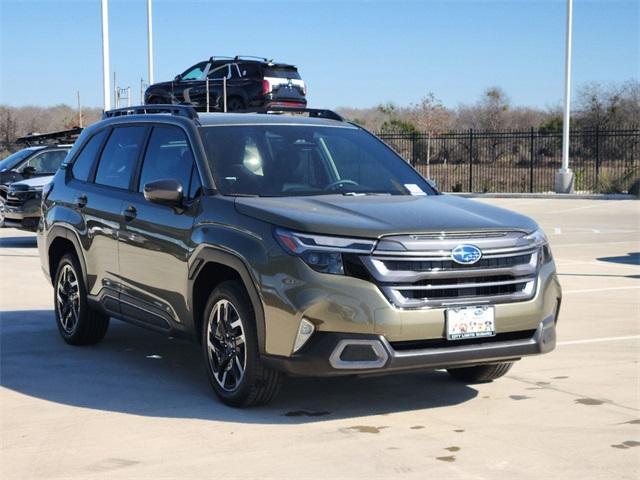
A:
288, 244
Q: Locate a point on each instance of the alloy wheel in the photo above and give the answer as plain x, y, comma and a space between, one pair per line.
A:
68, 299
226, 346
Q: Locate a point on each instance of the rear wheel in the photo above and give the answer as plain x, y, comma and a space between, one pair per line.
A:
77, 322
235, 104
480, 373
230, 348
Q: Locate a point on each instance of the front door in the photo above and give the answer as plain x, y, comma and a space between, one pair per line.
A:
155, 242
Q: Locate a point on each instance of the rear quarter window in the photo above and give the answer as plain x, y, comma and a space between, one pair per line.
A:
82, 165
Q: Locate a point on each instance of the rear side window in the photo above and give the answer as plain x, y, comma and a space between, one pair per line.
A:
168, 156
81, 168
119, 156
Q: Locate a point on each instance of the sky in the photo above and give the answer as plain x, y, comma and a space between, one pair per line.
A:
350, 53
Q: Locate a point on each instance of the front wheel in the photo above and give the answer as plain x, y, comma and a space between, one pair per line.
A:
230, 348
480, 373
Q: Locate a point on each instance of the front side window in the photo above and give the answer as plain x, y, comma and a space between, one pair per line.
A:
119, 156
83, 163
294, 160
195, 73
44, 163
168, 156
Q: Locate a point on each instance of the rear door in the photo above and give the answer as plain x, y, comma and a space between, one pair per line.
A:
155, 243
99, 189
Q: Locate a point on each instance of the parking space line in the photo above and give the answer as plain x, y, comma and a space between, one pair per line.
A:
597, 340
589, 290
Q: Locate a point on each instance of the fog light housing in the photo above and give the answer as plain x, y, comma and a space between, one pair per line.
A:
305, 330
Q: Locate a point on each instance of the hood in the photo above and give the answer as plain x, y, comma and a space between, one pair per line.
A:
33, 183
375, 216
159, 87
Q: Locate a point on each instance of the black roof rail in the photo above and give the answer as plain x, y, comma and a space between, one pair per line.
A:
312, 112
252, 57
179, 110
62, 136
221, 57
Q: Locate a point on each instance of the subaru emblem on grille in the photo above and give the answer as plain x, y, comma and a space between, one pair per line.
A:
466, 254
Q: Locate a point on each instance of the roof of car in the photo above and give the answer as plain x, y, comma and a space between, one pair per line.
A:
218, 119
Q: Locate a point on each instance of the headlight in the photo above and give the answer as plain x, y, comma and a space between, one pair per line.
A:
539, 239
322, 253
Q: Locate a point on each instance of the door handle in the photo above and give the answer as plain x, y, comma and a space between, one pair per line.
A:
81, 201
129, 213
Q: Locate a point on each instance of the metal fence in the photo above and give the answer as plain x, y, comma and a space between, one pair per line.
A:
604, 161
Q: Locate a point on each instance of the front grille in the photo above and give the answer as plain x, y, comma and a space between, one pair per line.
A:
13, 201
417, 271
422, 266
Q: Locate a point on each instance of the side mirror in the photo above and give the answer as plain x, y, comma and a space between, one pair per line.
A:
176, 78
165, 192
432, 183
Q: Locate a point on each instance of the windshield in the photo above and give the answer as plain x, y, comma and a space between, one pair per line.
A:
12, 160
295, 160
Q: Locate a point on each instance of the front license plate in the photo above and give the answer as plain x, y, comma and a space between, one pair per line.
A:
470, 322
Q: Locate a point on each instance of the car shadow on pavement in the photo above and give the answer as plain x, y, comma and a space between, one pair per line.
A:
139, 372
631, 258
19, 242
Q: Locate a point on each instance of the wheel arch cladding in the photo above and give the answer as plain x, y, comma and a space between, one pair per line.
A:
211, 268
60, 242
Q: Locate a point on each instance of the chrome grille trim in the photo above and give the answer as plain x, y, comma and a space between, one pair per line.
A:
432, 279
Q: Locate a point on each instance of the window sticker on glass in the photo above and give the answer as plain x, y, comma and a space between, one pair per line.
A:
414, 189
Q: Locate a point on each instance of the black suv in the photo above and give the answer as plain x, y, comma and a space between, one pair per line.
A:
251, 83
288, 245
41, 158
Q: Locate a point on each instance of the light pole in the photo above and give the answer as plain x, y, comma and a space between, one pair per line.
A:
106, 89
564, 176
149, 42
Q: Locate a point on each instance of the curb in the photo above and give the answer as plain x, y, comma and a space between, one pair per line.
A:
565, 196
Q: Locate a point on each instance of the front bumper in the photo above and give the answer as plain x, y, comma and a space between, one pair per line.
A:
325, 354
24, 217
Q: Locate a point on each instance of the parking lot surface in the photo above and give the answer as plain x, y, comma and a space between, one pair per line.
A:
138, 405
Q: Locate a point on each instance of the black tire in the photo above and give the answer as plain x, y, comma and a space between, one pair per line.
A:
480, 373
235, 104
78, 323
253, 385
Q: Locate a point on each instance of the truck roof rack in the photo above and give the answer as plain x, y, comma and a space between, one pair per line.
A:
241, 57
180, 110
51, 138
312, 112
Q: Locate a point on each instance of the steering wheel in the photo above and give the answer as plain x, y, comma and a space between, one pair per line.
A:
333, 185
